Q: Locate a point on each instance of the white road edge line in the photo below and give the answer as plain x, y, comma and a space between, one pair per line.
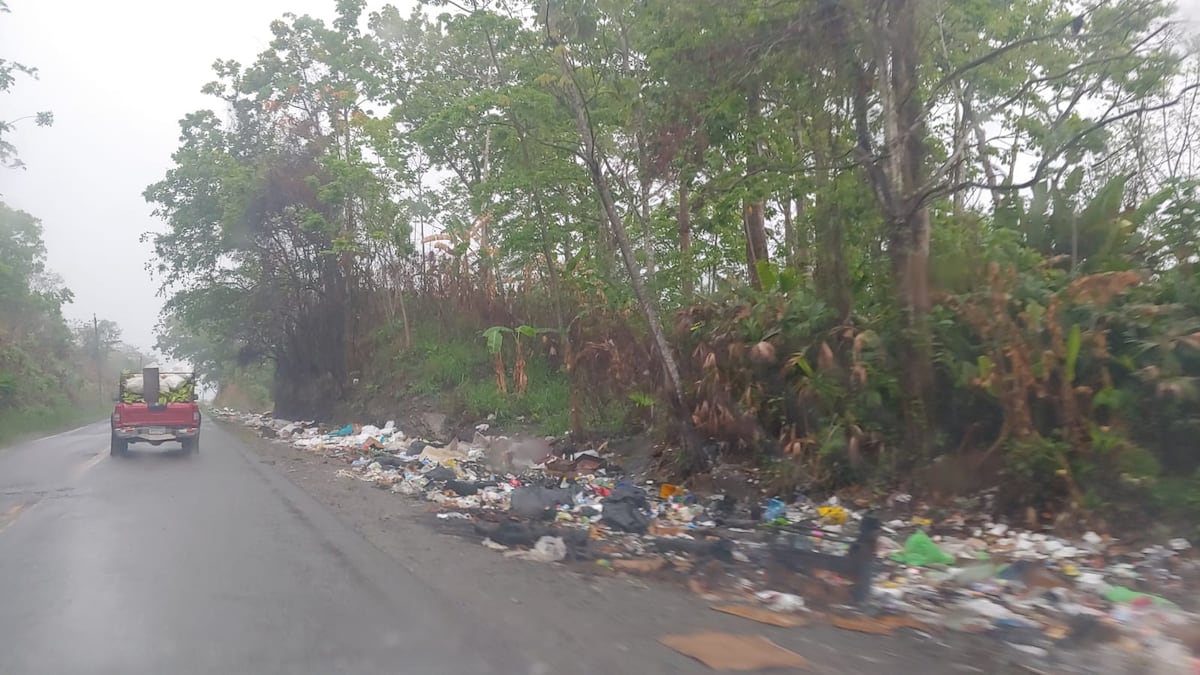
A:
68, 431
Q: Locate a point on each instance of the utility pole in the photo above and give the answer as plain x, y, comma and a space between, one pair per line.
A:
99, 363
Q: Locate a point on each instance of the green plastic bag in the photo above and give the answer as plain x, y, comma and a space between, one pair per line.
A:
921, 551
1121, 594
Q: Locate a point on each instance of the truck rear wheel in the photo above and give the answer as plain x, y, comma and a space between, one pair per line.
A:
191, 445
118, 447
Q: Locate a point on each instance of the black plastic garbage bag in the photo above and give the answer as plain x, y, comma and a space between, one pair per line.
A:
624, 509
440, 473
514, 533
533, 501
462, 488
509, 533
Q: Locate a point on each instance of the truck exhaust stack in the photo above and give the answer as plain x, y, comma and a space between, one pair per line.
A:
150, 386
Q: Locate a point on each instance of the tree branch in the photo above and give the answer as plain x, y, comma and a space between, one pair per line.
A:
1029, 84
1039, 173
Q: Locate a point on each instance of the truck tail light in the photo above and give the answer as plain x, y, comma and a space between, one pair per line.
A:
196, 417
116, 418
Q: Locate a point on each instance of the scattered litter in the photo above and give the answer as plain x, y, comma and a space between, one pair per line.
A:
781, 602
988, 609
547, 549
833, 515
774, 509
934, 569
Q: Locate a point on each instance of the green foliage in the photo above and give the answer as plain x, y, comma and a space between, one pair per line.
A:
9, 72
435, 365
402, 203
1035, 464
454, 373
1073, 343
495, 338
1177, 498
48, 368
245, 388
544, 407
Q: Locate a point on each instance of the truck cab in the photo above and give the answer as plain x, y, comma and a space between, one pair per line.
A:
157, 414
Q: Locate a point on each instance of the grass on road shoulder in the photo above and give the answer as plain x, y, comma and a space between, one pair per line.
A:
16, 425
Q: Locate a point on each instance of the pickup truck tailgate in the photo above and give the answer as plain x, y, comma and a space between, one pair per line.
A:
170, 415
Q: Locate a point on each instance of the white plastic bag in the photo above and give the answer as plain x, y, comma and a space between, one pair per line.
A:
134, 384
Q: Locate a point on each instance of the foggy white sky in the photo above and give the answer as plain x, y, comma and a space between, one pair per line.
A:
118, 76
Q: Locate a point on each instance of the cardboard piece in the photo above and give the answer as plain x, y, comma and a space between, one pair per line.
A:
863, 624
762, 615
726, 651
640, 565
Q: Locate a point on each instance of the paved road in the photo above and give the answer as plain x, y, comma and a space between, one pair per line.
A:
166, 563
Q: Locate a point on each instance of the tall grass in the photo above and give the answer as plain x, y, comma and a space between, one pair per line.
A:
24, 423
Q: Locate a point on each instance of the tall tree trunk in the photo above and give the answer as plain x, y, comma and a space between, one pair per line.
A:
982, 149
753, 208
600, 181
804, 255
789, 232
485, 240
909, 241
607, 242
685, 236
798, 194
644, 162
404, 320
896, 174
647, 234
831, 272
959, 170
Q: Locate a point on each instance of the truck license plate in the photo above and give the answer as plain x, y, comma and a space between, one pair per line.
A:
156, 430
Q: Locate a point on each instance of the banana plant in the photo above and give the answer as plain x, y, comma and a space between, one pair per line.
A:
495, 346
1093, 235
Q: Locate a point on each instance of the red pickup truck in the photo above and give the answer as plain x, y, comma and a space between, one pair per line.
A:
136, 421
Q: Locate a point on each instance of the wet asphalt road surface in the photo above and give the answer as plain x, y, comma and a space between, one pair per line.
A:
161, 562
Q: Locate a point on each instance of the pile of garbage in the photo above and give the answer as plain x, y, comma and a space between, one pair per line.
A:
1090, 604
